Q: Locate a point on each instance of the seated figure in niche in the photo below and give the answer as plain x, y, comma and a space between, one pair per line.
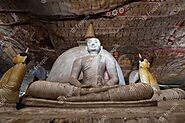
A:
93, 86
126, 63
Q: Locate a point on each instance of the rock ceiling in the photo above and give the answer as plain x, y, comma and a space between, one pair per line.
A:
49, 27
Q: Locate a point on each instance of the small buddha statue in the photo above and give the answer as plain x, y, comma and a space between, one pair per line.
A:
11, 81
144, 74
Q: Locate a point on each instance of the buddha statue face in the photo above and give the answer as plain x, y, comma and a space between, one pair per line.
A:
93, 46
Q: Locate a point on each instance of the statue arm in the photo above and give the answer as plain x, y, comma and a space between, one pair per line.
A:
76, 69
112, 72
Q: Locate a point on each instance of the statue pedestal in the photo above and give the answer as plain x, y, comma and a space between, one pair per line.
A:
33, 102
153, 114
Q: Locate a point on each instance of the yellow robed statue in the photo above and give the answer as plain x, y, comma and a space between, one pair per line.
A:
11, 81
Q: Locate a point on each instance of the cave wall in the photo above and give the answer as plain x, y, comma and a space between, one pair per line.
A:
17, 34
72, 9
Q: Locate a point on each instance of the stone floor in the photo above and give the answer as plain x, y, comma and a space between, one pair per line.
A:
165, 112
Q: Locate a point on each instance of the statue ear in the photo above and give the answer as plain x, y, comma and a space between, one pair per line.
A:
86, 48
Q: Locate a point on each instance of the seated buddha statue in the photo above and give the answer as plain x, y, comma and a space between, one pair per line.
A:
62, 68
11, 81
93, 86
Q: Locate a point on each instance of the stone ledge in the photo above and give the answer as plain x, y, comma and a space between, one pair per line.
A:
33, 102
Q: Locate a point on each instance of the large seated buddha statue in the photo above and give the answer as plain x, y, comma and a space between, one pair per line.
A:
66, 83
61, 70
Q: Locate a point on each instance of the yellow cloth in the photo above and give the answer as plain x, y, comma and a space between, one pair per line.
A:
11, 82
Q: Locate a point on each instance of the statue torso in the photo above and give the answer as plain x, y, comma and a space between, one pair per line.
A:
93, 68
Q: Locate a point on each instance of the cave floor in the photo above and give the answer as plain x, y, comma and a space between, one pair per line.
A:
165, 112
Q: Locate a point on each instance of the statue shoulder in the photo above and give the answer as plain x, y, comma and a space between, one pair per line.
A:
109, 59
78, 60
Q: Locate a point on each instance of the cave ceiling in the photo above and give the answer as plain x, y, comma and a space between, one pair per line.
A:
154, 28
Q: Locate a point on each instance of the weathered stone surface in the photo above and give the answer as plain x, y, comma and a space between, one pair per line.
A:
167, 111
16, 39
101, 104
67, 8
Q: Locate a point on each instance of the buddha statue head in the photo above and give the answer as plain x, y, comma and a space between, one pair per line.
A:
93, 46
